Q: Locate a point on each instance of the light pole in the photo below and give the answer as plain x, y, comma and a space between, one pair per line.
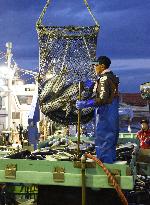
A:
9, 56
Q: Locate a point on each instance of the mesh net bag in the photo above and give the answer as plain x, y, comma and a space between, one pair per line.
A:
66, 53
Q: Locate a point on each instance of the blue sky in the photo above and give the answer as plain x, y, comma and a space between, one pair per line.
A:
124, 34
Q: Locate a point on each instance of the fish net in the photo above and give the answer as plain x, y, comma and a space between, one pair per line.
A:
66, 53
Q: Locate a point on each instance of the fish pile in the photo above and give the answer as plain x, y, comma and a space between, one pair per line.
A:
140, 195
125, 152
57, 101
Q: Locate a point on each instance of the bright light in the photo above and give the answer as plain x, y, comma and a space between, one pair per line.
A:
6, 72
2, 82
20, 82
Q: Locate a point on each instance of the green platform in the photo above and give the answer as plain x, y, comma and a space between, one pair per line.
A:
43, 173
66, 173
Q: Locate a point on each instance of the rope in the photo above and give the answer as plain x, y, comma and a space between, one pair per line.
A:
2, 55
65, 54
112, 179
39, 22
33, 73
87, 47
92, 15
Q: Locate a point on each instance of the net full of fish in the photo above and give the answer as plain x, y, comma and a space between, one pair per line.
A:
65, 54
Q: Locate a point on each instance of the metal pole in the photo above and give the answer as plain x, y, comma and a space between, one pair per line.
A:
79, 121
83, 167
83, 159
9, 56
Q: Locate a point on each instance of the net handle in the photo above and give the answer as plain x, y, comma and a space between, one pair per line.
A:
39, 22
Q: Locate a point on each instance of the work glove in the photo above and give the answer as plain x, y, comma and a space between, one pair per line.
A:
80, 104
88, 84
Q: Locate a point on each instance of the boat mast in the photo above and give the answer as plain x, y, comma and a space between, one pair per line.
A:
9, 57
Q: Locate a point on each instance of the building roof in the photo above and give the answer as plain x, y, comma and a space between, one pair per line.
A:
133, 99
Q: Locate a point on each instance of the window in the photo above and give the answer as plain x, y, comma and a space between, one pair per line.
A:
27, 89
15, 115
25, 99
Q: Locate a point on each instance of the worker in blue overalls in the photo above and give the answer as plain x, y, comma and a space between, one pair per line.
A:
106, 102
33, 134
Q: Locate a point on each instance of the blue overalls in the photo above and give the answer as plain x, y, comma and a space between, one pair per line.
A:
107, 131
33, 135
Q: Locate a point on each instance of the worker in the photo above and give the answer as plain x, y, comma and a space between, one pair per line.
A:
33, 134
144, 134
20, 130
106, 102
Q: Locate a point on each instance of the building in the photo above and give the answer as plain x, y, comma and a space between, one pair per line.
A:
21, 97
139, 106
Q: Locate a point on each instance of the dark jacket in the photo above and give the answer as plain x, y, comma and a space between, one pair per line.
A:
107, 88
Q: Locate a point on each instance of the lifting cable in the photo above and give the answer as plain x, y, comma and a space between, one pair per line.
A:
39, 22
112, 179
92, 15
